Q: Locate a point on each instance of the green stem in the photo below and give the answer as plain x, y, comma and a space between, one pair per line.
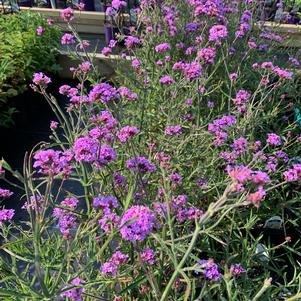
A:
181, 264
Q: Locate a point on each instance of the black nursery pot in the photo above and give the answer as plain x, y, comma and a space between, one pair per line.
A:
112, 31
89, 5
27, 3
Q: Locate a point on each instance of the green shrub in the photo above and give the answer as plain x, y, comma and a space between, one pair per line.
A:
23, 51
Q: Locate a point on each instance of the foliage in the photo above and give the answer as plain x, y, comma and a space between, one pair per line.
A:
23, 51
177, 168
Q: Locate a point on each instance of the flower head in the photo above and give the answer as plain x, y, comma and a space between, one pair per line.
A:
6, 215
273, 139
140, 164
210, 270
40, 30
136, 223
67, 14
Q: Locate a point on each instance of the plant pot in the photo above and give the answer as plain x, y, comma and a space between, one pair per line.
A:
27, 3
104, 7
110, 32
89, 5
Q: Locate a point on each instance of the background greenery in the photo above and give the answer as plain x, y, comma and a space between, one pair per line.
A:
23, 52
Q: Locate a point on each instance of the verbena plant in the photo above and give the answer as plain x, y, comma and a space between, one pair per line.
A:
27, 43
176, 168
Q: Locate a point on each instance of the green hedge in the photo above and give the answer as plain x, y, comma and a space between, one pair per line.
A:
23, 52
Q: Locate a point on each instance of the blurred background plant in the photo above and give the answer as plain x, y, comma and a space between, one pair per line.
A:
27, 43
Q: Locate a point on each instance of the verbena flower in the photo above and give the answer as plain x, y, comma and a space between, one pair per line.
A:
103, 93
127, 132
273, 139
85, 149
293, 174
137, 223
112, 266
74, 294
148, 256
173, 130
257, 196
6, 215
68, 39
236, 269
109, 221
161, 48
35, 203
48, 161
40, 30
5, 193
166, 80
211, 271
66, 218
67, 14
106, 203
140, 164
118, 4
131, 41
41, 79
217, 32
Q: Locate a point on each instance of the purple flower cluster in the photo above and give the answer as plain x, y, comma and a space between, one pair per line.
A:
166, 80
127, 94
293, 174
87, 149
5, 193
67, 219
273, 139
175, 178
236, 269
35, 203
207, 55
67, 14
52, 162
243, 175
210, 270
109, 221
141, 164
6, 215
282, 74
244, 26
219, 127
103, 93
240, 146
137, 223
41, 79
192, 70
68, 39
106, 119
241, 99
105, 203
118, 4
217, 32
148, 256
74, 294
127, 132
173, 130
161, 48
211, 8
178, 208
40, 30
131, 41
112, 266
